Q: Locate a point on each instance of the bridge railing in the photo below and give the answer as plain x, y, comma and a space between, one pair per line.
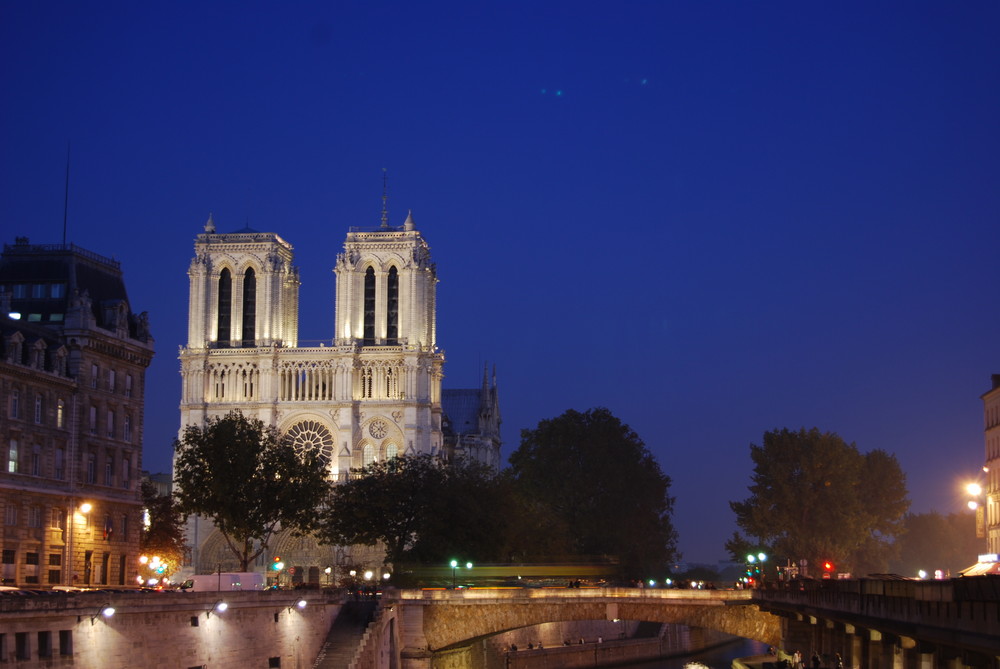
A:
953, 604
585, 593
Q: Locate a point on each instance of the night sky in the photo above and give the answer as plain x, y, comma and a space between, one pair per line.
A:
713, 218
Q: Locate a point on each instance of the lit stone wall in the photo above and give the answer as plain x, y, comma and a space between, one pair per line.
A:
170, 629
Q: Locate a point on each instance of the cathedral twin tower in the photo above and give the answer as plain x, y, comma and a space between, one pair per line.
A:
374, 392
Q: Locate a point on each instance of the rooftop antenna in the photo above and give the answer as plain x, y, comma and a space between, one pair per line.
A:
66, 197
385, 199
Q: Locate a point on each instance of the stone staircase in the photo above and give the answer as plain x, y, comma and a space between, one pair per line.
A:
345, 635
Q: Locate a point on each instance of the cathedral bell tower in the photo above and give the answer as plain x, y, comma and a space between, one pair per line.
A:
244, 291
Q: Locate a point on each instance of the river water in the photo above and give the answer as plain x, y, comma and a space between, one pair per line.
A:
720, 657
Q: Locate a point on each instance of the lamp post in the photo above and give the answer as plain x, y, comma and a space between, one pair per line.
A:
454, 566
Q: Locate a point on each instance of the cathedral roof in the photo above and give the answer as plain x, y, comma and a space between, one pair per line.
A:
461, 406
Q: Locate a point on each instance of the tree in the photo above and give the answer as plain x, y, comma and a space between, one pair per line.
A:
817, 498
248, 480
162, 536
387, 501
933, 541
595, 474
422, 510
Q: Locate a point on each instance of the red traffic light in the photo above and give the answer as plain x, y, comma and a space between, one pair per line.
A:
828, 566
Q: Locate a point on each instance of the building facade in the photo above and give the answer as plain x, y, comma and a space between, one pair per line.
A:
991, 425
73, 358
370, 392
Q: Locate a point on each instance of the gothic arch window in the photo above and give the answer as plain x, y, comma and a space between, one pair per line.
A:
369, 323
310, 435
225, 307
391, 451
249, 306
392, 308
367, 455
366, 383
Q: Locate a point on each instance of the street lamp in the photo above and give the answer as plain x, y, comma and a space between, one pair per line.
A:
454, 566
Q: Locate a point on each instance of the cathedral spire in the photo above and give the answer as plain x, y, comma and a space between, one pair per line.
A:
210, 224
385, 199
408, 223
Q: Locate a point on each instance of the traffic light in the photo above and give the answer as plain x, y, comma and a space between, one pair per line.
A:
277, 565
828, 568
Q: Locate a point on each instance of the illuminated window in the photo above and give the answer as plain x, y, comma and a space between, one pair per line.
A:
12, 457
367, 455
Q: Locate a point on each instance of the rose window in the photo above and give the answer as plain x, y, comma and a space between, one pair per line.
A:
311, 435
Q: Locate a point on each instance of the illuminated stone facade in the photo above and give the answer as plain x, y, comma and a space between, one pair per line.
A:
371, 392
991, 491
73, 360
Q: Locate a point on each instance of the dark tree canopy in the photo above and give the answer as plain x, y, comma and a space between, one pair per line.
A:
248, 480
163, 537
421, 510
816, 497
594, 474
933, 541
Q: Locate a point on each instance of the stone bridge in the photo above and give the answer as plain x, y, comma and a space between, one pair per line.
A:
415, 627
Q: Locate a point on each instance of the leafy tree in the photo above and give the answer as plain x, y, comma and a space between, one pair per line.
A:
934, 541
248, 480
815, 497
421, 510
596, 476
163, 537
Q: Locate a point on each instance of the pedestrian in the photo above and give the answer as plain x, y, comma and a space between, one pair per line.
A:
797, 659
815, 660
840, 661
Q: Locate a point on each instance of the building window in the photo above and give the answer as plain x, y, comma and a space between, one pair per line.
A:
60, 413
57, 520
126, 467
31, 558
128, 385
20, 290
369, 322
392, 308
111, 424
127, 428
124, 536
60, 469
10, 516
36, 460
54, 576
66, 642
367, 455
38, 409
93, 420
109, 530
8, 556
225, 307
249, 307
91, 469
93, 376
111, 380
109, 470
35, 518
15, 403
57, 290
12, 457
38, 291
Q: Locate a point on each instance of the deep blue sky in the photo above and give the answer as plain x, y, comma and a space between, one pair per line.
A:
713, 218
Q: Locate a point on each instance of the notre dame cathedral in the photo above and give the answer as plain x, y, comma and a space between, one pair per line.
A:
373, 391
